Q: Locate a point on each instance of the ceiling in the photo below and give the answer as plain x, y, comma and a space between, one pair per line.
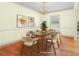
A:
50, 6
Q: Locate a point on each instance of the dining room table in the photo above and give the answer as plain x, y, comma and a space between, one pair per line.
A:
40, 36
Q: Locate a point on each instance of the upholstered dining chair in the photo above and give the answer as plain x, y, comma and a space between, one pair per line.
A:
54, 38
49, 39
30, 33
30, 43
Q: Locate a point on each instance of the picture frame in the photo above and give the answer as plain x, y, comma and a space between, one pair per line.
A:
30, 21
22, 21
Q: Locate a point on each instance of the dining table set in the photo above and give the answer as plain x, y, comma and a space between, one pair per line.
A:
44, 39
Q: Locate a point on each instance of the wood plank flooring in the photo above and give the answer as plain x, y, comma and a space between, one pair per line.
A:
69, 47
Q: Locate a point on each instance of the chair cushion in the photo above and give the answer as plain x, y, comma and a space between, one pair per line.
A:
35, 42
34, 39
28, 43
49, 41
54, 40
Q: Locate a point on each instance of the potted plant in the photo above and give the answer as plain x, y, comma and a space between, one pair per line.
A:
43, 26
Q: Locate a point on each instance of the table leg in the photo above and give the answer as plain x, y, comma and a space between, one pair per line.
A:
22, 49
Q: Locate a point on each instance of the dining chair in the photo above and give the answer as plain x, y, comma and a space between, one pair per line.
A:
50, 40
58, 37
30, 33
30, 43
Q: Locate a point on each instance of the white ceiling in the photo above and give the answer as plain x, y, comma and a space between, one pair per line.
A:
51, 6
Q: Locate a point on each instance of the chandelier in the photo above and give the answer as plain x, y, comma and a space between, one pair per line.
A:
44, 10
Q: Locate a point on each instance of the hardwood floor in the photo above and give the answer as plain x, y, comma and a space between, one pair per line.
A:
69, 47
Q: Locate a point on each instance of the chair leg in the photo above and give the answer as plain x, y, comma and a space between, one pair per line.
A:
38, 48
60, 41
22, 49
54, 49
57, 43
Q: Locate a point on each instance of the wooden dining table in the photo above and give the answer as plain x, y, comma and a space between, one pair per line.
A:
41, 37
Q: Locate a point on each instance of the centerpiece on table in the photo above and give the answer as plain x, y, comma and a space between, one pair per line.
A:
43, 27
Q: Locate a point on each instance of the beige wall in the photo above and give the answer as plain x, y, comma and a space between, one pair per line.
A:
66, 21
8, 26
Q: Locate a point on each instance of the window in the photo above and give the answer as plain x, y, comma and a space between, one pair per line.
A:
54, 22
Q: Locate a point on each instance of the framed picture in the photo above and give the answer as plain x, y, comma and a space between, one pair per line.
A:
22, 21
31, 21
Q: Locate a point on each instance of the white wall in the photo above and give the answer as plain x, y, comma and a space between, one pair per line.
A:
8, 26
66, 21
